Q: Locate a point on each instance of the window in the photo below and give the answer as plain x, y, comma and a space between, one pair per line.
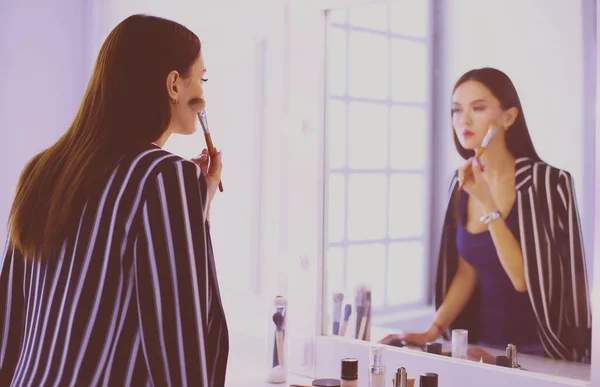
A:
378, 82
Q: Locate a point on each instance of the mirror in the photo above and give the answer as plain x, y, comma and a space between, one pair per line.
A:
399, 233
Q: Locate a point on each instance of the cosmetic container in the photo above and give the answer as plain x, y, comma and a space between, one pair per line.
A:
349, 372
428, 380
277, 370
503, 361
511, 354
435, 348
460, 343
326, 383
376, 370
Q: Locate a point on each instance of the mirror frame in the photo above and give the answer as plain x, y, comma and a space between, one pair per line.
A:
303, 146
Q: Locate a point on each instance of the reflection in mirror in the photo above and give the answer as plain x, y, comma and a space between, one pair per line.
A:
423, 238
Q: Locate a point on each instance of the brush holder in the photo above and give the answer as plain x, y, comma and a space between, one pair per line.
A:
277, 370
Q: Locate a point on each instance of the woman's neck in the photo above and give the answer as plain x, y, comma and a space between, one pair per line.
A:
162, 140
498, 162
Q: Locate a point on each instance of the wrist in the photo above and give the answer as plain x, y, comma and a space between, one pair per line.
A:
489, 206
436, 330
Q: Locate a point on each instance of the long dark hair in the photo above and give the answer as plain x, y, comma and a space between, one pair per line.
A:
518, 139
126, 104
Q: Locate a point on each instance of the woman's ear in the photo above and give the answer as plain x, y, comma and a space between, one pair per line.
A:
172, 85
510, 116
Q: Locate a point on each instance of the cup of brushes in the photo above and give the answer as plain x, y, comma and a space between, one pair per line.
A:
276, 343
351, 313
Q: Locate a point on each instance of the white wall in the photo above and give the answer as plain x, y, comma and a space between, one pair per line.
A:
41, 62
539, 45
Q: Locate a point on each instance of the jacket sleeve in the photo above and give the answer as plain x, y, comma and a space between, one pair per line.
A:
11, 311
172, 277
577, 310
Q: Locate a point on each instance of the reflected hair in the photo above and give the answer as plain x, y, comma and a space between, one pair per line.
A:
518, 139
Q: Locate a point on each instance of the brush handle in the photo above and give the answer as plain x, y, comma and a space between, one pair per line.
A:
344, 327
211, 148
280, 347
469, 171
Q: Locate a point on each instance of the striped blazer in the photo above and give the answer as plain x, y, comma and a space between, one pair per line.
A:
131, 298
553, 254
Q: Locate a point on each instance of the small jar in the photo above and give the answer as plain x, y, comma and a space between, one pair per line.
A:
349, 372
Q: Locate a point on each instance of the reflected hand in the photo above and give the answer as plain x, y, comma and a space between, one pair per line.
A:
416, 339
476, 185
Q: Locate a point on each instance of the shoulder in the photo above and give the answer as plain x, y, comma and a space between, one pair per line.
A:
155, 161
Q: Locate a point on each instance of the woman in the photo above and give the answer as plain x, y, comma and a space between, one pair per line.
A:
108, 276
511, 265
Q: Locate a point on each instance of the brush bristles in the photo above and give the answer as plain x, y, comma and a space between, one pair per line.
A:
487, 138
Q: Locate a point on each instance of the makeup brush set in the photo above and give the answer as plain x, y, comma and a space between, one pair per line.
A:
345, 323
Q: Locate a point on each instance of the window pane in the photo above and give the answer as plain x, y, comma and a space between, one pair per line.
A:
407, 205
408, 137
368, 135
409, 17
373, 16
335, 270
366, 206
337, 61
409, 71
407, 258
366, 265
336, 212
336, 134
337, 16
368, 64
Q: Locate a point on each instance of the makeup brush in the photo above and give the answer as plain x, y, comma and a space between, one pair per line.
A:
347, 314
338, 298
199, 104
363, 322
484, 143
359, 299
278, 320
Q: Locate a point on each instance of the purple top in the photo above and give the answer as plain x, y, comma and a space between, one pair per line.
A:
506, 316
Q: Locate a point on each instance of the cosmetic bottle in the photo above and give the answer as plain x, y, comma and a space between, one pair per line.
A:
401, 378
435, 348
428, 380
349, 372
277, 369
376, 370
511, 354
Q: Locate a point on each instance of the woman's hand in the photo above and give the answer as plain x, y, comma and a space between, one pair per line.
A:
416, 339
211, 169
476, 185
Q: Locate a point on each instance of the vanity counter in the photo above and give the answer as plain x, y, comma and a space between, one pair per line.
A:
530, 363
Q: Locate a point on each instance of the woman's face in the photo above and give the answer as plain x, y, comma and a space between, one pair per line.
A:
474, 110
189, 94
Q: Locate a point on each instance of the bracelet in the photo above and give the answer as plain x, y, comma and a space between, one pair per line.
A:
487, 218
441, 329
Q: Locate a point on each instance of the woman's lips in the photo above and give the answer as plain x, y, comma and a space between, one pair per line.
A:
467, 134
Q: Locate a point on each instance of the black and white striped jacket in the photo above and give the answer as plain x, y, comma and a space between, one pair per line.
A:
555, 269
131, 299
